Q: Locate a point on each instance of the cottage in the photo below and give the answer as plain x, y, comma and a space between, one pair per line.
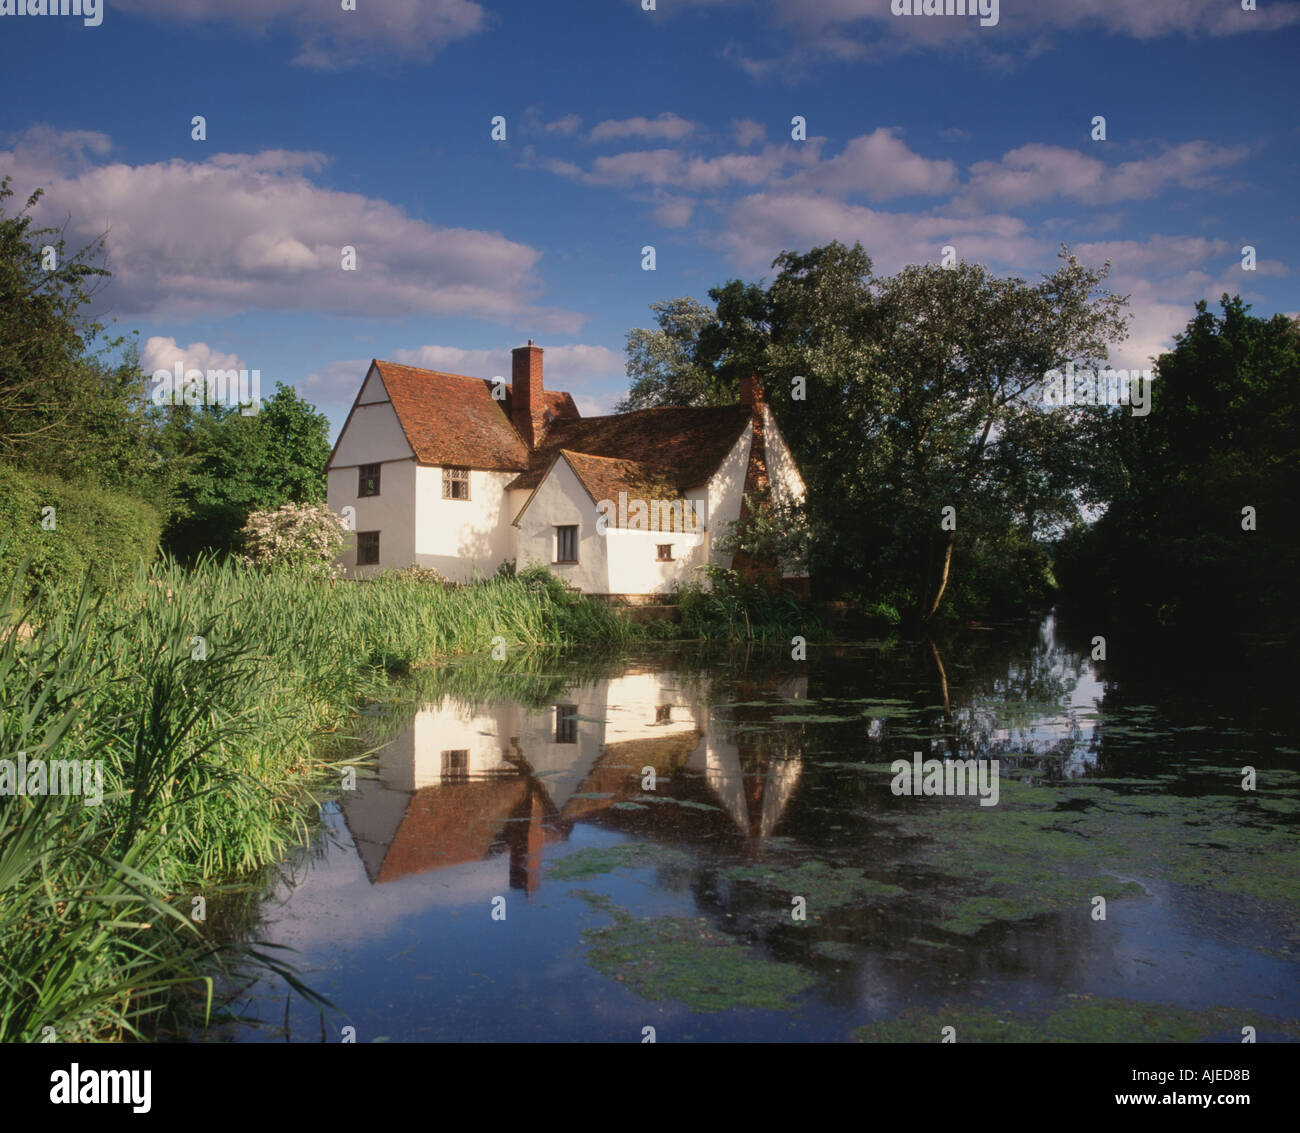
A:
461, 474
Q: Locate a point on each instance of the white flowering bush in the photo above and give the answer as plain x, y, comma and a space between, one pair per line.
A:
305, 537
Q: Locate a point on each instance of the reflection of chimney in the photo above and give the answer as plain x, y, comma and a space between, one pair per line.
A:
527, 410
751, 392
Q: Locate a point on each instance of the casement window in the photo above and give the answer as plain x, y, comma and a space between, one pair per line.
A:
566, 723
566, 544
367, 548
455, 766
368, 480
665, 552
455, 483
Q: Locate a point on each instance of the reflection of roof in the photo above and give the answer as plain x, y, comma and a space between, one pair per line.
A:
452, 824
682, 445
617, 773
451, 419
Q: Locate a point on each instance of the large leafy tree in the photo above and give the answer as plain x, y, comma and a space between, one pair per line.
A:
1223, 435
908, 395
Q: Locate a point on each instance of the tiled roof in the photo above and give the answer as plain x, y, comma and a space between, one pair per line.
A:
604, 477
683, 445
450, 419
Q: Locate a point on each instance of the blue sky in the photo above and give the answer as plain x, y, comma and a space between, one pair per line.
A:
627, 127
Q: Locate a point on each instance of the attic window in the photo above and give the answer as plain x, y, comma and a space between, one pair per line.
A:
455, 483
368, 480
665, 552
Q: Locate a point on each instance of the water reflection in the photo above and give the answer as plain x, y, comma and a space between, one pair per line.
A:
717, 788
462, 783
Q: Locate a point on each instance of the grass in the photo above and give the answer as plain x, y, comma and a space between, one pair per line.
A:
208, 694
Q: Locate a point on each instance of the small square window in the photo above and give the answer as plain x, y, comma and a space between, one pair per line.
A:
455, 483
663, 714
566, 723
566, 544
665, 552
455, 766
368, 480
367, 548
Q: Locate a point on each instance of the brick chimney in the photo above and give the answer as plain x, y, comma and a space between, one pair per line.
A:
527, 409
751, 392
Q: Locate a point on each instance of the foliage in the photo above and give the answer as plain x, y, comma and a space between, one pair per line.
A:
67, 407
918, 392
661, 362
236, 464
1223, 434
770, 532
93, 530
295, 536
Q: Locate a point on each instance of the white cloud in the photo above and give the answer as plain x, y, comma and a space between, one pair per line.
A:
244, 232
327, 35
666, 127
879, 166
161, 353
1038, 172
563, 367
748, 132
763, 224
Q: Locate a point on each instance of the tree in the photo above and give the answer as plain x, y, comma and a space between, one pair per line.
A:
236, 464
1223, 434
908, 395
661, 363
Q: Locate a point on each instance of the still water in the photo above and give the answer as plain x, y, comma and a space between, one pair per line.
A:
568, 849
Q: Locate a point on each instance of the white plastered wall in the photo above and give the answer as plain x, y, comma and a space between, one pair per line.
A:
726, 493
373, 435
463, 539
620, 561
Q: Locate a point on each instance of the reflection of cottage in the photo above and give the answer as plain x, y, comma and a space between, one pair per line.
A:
461, 474
461, 785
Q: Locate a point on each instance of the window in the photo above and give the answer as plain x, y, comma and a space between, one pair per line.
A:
665, 552
455, 483
663, 714
368, 480
455, 766
367, 548
566, 723
566, 544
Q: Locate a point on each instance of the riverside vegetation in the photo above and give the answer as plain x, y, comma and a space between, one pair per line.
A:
207, 693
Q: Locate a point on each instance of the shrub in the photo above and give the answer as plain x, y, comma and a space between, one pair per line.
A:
304, 537
94, 531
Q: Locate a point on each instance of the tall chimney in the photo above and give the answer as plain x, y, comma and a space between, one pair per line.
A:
751, 392
527, 410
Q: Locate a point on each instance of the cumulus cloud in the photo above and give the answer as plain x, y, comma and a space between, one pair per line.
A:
240, 232
748, 132
667, 127
1038, 172
879, 166
328, 36
161, 353
760, 226
565, 366
592, 373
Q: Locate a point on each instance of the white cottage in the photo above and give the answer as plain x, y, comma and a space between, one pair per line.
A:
461, 474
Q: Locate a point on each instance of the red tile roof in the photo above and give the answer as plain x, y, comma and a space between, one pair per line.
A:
451, 419
681, 445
